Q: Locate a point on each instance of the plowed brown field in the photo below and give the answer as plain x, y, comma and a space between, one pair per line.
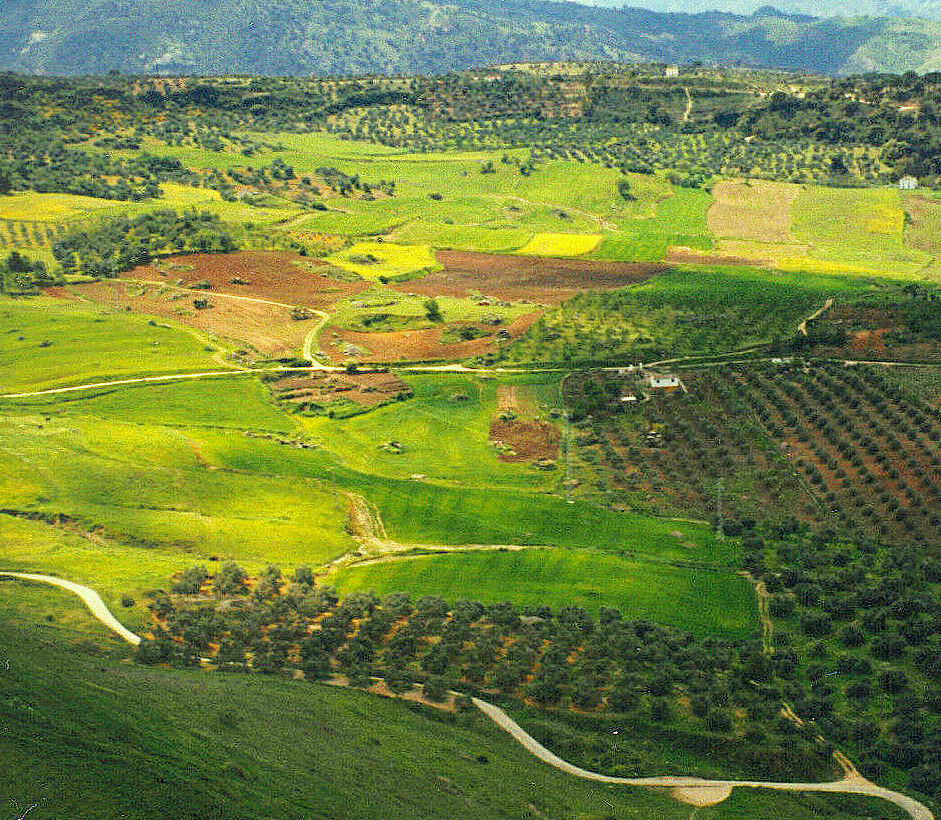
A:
526, 278
275, 275
412, 345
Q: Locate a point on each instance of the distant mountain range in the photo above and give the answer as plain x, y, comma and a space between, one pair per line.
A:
930, 9
433, 36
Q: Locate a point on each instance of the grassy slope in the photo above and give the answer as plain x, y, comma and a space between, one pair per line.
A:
151, 486
88, 736
724, 605
88, 343
446, 440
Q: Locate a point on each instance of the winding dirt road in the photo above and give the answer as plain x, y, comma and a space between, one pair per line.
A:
91, 599
853, 783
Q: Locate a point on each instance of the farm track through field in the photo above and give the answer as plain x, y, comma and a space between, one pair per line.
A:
852, 783
310, 340
802, 327
439, 368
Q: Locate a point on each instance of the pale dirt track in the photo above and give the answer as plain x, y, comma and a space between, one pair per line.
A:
849, 785
852, 784
701, 361
90, 598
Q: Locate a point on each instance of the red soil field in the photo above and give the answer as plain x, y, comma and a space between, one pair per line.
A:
275, 275
526, 278
413, 345
529, 440
365, 389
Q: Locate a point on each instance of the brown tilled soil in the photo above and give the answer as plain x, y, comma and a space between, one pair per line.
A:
869, 333
529, 440
275, 275
366, 389
526, 278
412, 345
869, 342
267, 329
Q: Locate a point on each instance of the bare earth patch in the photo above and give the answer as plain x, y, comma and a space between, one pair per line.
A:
277, 275
526, 278
364, 389
412, 345
701, 795
525, 440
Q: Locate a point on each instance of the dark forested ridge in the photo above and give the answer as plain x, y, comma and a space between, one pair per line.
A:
351, 36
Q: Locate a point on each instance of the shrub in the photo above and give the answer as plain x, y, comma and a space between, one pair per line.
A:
191, 580
436, 689
781, 606
893, 681
816, 624
230, 580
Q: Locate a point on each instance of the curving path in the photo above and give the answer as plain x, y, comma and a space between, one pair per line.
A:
92, 600
853, 783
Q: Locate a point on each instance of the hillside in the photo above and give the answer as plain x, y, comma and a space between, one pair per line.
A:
929, 9
344, 36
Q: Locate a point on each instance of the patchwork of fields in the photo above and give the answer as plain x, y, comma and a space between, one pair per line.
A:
409, 379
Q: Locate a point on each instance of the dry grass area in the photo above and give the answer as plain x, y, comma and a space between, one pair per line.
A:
755, 210
266, 329
923, 228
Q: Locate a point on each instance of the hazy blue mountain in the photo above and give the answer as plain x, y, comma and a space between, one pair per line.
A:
818, 8
344, 36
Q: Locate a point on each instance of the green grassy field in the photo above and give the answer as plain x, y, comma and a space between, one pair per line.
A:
157, 470
114, 570
725, 602
678, 219
48, 342
443, 431
151, 486
86, 735
229, 402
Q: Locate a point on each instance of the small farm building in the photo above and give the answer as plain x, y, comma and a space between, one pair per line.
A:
908, 183
669, 382
673, 71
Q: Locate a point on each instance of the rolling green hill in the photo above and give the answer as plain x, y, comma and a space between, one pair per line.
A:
342, 36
